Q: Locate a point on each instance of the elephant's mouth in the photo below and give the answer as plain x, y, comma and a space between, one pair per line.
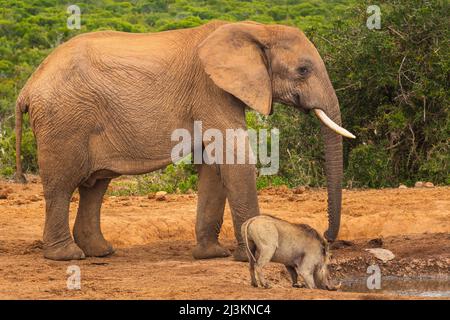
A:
304, 110
323, 117
299, 105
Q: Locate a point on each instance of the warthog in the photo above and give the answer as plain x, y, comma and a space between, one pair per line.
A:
298, 246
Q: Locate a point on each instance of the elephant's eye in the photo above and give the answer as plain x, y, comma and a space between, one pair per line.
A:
303, 71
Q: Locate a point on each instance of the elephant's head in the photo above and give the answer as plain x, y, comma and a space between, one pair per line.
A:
261, 64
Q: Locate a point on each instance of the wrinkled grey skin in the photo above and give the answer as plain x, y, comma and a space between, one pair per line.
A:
299, 247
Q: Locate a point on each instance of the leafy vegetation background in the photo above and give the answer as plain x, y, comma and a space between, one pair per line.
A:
392, 83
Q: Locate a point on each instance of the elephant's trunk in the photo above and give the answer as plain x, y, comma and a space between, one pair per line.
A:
334, 173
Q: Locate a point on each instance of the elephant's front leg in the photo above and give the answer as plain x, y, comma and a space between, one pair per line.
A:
240, 185
210, 209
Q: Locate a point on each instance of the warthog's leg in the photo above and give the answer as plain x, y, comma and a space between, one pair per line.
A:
252, 266
265, 255
294, 276
306, 269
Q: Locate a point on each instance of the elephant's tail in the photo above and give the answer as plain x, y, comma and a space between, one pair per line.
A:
245, 235
22, 104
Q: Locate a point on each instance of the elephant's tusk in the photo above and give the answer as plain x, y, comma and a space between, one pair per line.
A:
333, 126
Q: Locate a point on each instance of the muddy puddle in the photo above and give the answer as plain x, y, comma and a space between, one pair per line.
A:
425, 286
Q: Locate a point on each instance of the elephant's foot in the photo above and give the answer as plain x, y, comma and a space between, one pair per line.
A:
208, 251
94, 246
65, 252
240, 253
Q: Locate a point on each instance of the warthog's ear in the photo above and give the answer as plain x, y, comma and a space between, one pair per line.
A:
233, 56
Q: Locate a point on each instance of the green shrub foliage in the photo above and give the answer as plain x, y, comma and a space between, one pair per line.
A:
392, 83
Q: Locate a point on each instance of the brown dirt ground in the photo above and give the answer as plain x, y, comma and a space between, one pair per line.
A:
153, 241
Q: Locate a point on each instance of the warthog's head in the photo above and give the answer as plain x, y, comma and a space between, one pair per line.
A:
322, 276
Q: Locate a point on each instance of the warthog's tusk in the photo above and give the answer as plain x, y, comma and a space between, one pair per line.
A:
333, 126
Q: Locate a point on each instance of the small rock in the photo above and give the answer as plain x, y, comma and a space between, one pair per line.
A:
37, 244
151, 195
429, 185
74, 199
291, 198
418, 184
160, 195
299, 190
381, 254
100, 263
375, 243
34, 198
3, 195
402, 186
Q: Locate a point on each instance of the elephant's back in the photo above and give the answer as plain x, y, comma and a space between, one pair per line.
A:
99, 71
88, 57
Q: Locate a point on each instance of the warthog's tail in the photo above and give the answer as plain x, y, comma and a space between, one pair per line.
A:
245, 235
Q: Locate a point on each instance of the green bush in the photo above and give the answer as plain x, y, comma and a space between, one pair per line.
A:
392, 83
270, 181
436, 167
301, 156
8, 151
176, 178
369, 167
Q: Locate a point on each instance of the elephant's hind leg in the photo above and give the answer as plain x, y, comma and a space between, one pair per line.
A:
210, 209
86, 231
58, 243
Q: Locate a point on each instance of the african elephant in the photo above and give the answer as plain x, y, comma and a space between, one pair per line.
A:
104, 104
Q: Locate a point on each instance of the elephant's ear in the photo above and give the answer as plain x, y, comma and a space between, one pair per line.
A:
233, 56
